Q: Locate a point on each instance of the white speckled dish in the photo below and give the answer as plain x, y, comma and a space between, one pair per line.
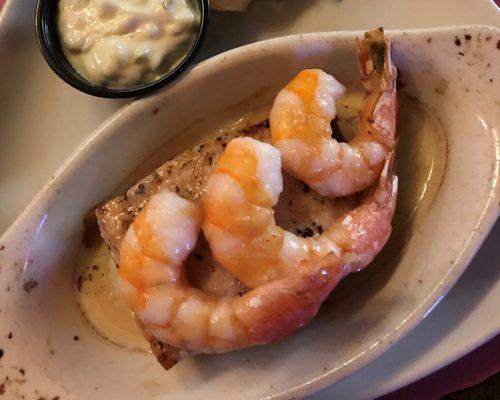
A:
457, 81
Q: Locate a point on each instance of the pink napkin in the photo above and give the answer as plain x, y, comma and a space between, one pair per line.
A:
471, 369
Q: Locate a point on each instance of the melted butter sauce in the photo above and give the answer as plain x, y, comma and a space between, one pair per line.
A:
420, 165
101, 302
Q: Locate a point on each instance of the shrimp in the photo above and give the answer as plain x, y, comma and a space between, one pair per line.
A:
302, 112
243, 235
154, 283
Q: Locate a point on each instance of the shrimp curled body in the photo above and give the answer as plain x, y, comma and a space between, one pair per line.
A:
301, 116
243, 235
154, 284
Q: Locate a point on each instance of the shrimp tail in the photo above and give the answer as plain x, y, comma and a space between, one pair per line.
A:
364, 231
388, 180
378, 76
382, 204
374, 61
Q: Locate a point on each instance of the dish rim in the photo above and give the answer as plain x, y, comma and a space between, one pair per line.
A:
476, 237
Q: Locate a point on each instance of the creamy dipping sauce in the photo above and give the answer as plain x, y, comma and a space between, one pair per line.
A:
125, 43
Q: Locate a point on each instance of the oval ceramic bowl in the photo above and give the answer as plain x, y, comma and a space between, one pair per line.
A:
453, 71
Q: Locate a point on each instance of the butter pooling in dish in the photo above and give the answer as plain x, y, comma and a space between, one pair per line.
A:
125, 43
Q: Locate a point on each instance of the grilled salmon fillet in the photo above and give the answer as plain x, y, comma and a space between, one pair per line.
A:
299, 210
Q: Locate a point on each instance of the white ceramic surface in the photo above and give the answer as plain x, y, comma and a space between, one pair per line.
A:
41, 244
465, 319
43, 120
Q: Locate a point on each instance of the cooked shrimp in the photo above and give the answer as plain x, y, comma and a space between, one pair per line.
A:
243, 235
155, 285
363, 232
301, 116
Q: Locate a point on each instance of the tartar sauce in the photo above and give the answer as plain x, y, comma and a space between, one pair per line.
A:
124, 43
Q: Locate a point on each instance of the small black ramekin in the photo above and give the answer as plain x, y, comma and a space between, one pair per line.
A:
50, 46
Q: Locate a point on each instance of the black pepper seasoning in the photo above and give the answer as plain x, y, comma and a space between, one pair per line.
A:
308, 232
